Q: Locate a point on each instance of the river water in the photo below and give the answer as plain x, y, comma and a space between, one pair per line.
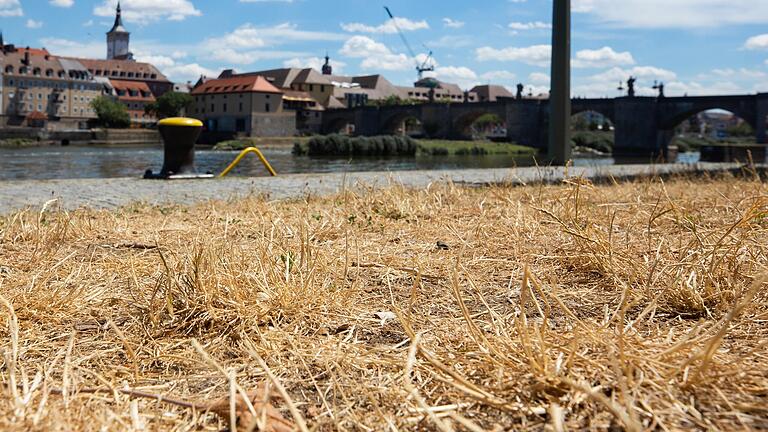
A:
43, 163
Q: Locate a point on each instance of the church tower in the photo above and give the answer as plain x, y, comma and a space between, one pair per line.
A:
118, 39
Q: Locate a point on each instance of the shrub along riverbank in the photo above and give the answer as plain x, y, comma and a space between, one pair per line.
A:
340, 145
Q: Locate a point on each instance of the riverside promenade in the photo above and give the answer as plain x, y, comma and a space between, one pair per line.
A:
113, 193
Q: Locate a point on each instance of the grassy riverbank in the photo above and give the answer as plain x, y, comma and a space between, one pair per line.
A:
631, 306
12, 143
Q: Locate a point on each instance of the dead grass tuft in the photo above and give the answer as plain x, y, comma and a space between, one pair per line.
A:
636, 306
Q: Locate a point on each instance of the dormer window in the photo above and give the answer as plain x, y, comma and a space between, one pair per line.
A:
9, 69
49, 72
153, 76
61, 74
122, 73
36, 71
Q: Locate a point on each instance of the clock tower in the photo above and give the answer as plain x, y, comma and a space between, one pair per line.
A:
118, 39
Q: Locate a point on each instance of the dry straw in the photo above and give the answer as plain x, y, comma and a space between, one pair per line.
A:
633, 306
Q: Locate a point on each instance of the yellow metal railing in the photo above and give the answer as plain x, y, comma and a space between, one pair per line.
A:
242, 155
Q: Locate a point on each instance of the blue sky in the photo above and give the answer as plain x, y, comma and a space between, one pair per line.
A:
694, 46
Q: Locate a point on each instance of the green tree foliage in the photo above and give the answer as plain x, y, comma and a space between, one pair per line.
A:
742, 129
487, 120
111, 113
579, 123
171, 104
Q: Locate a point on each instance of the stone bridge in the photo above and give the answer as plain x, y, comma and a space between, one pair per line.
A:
644, 125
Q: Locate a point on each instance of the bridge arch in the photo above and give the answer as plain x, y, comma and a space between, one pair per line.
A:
338, 124
463, 122
394, 121
671, 118
605, 111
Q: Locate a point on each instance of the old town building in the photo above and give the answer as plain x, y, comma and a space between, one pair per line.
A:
246, 105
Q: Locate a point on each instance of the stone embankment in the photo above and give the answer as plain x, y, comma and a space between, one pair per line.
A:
18, 137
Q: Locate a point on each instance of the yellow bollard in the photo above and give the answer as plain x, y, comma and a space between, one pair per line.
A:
242, 155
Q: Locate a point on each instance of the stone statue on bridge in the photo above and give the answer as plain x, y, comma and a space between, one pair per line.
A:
520, 89
631, 86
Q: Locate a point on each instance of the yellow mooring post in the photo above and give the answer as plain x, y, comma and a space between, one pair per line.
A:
242, 155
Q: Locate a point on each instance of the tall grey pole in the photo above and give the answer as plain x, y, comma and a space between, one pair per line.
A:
560, 97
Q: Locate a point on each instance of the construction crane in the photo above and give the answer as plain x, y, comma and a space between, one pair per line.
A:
425, 66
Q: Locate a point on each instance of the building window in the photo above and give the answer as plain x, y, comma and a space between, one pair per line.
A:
39, 107
213, 107
241, 107
267, 97
224, 108
266, 108
322, 88
10, 82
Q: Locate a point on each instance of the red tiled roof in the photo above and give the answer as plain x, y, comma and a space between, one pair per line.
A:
138, 86
137, 68
37, 115
33, 51
236, 84
130, 85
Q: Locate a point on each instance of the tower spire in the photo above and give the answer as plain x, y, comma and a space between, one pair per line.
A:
118, 27
118, 38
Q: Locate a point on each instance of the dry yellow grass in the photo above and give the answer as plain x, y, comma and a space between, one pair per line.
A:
639, 306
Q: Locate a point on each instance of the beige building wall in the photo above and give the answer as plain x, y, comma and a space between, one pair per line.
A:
57, 98
319, 92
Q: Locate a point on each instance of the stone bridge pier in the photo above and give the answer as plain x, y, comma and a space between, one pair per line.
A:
762, 118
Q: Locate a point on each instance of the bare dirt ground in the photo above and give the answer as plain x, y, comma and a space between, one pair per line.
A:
633, 306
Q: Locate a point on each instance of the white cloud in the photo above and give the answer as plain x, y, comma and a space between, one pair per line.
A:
536, 55
540, 55
10, 8
244, 44
529, 25
741, 74
450, 23
375, 55
389, 27
451, 41
314, 63
188, 72
759, 42
675, 14
88, 23
68, 48
539, 78
463, 76
648, 73
498, 76
266, 1
32, 24
63, 3
145, 11
603, 57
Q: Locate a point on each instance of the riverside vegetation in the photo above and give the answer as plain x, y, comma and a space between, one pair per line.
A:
630, 306
342, 145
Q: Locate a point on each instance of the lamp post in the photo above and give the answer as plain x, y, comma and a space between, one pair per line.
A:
560, 95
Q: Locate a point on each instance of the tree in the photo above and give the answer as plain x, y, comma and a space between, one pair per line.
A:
743, 129
171, 104
111, 113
